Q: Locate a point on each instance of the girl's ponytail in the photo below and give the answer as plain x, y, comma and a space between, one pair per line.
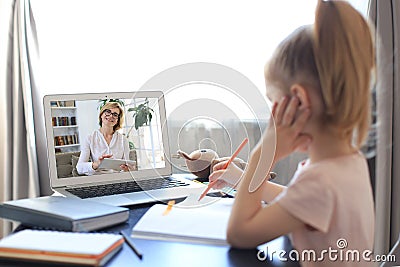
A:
344, 56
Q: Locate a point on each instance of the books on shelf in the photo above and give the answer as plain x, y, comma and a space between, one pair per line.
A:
69, 103
62, 247
63, 213
62, 140
187, 223
63, 121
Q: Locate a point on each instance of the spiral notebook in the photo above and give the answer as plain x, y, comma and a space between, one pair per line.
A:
93, 249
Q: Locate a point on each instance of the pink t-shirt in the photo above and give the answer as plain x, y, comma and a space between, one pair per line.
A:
334, 199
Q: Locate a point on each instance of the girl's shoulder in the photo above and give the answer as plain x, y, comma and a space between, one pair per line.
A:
342, 166
354, 158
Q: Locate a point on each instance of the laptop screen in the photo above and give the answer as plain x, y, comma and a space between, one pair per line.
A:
76, 127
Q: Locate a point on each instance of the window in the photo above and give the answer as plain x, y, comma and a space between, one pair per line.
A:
99, 46
119, 45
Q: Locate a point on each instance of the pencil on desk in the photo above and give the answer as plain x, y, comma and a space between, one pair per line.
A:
130, 244
210, 185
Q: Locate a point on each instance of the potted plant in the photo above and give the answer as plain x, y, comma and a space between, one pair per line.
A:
142, 114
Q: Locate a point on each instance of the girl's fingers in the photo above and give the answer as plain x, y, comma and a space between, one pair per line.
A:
215, 175
274, 106
219, 185
301, 121
219, 165
290, 111
280, 110
272, 115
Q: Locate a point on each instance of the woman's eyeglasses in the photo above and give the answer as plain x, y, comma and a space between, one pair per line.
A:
114, 114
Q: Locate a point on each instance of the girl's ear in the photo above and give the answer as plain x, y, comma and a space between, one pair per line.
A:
302, 94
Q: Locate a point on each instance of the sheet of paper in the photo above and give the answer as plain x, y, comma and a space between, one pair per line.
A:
192, 201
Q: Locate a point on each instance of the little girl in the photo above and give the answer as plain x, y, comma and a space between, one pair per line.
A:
319, 80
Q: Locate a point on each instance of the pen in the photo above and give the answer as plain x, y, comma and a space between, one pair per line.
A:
130, 244
210, 185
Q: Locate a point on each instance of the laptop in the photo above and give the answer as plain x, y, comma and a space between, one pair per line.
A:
70, 119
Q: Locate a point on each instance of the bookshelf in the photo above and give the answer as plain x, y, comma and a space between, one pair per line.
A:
66, 137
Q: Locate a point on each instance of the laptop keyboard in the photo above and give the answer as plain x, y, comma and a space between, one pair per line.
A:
125, 187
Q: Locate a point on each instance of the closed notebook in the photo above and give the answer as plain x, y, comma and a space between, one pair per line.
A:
63, 213
187, 223
63, 247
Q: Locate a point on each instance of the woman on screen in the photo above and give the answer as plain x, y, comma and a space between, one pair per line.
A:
105, 142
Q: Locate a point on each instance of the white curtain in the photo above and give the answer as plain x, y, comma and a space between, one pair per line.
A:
386, 16
18, 53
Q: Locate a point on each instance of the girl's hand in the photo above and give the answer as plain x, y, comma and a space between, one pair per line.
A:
97, 163
282, 137
226, 177
287, 129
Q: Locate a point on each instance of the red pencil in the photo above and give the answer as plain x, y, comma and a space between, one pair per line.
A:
210, 185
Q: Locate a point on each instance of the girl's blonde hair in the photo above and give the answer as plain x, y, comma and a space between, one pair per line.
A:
121, 118
336, 57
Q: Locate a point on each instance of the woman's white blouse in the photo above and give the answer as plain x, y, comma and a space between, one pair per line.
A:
96, 146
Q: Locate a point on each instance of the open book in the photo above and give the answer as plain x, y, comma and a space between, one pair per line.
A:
188, 222
62, 247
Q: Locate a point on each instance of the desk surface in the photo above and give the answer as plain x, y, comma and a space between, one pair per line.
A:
164, 253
